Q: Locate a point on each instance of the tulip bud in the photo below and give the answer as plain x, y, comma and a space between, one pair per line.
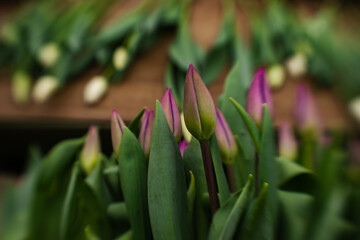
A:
44, 88
258, 94
185, 131
120, 58
182, 145
117, 130
199, 108
287, 143
95, 89
146, 131
49, 54
225, 138
354, 107
296, 65
172, 113
90, 153
21, 87
306, 113
276, 76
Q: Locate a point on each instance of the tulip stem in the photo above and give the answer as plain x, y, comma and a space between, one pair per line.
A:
210, 176
231, 177
256, 173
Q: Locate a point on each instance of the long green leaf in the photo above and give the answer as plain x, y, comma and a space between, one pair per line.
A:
133, 179
166, 183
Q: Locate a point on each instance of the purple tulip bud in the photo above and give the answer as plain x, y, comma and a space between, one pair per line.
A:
90, 153
146, 131
117, 130
288, 146
225, 138
172, 113
199, 108
306, 113
182, 145
258, 94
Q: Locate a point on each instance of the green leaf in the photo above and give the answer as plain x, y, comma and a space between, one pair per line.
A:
222, 183
134, 125
249, 123
118, 211
296, 208
80, 209
227, 218
193, 162
256, 223
267, 165
166, 183
191, 193
133, 179
288, 169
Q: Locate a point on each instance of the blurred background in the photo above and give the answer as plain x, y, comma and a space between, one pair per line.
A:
67, 64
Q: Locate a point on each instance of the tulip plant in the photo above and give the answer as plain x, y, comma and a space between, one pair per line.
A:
233, 180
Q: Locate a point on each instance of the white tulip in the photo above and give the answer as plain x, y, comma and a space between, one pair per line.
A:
49, 54
120, 58
95, 89
44, 88
276, 76
354, 107
296, 65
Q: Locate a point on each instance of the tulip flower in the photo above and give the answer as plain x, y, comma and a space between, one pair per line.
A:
199, 108
44, 88
259, 94
276, 76
117, 130
306, 113
95, 89
288, 146
182, 145
120, 58
90, 153
185, 131
21, 87
172, 113
49, 54
146, 131
225, 138
354, 107
296, 65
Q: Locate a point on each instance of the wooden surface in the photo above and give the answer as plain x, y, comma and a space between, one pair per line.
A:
143, 84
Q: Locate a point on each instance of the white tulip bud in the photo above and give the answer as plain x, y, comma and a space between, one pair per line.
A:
95, 89
120, 58
187, 135
44, 88
276, 76
354, 107
296, 65
49, 54
21, 84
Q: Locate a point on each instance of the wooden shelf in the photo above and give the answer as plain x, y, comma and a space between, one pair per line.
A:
143, 84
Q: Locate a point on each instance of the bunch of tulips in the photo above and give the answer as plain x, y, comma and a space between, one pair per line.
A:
206, 173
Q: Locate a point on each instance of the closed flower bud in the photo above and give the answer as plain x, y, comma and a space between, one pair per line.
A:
354, 107
120, 58
95, 89
276, 76
182, 145
49, 54
259, 94
90, 153
44, 88
146, 131
172, 113
21, 87
199, 108
117, 130
185, 131
225, 138
306, 114
287, 143
296, 65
